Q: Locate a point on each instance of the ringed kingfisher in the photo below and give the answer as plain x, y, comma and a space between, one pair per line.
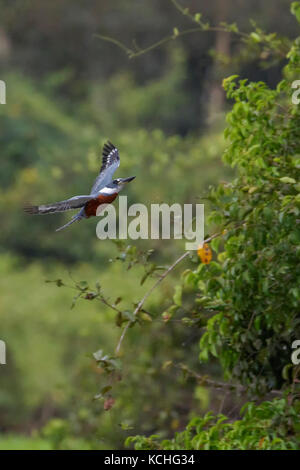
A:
104, 191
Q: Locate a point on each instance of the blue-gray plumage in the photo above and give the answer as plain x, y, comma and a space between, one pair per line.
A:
110, 162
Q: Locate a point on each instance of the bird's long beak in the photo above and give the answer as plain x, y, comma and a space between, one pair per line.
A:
127, 180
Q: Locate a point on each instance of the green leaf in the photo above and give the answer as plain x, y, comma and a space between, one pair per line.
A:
106, 389
295, 10
145, 316
126, 426
286, 371
98, 355
178, 296
175, 32
255, 37
215, 244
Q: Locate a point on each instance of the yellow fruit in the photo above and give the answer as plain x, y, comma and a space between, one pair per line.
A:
205, 254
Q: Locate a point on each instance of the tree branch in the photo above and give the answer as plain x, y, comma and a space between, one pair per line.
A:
204, 380
201, 27
155, 285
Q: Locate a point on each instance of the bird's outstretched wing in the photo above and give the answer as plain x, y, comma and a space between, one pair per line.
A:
72, 203
110, 162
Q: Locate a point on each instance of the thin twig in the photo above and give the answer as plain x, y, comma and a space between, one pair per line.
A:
136, 53
202, 27
148, 293
204, 380
155, 285
105, 302
205, 27
116, 42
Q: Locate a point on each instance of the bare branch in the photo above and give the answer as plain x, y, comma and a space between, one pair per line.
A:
201, 27
205, 380
116, 42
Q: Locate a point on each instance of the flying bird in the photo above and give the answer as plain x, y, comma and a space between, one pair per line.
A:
104, 191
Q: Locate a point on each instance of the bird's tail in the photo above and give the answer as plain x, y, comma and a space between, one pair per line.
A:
76, 218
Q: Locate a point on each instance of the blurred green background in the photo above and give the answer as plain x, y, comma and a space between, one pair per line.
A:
67, 92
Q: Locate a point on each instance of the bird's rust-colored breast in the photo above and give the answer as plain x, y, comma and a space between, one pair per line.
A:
91, 207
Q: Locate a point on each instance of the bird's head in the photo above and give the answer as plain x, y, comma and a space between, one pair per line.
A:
119, 183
